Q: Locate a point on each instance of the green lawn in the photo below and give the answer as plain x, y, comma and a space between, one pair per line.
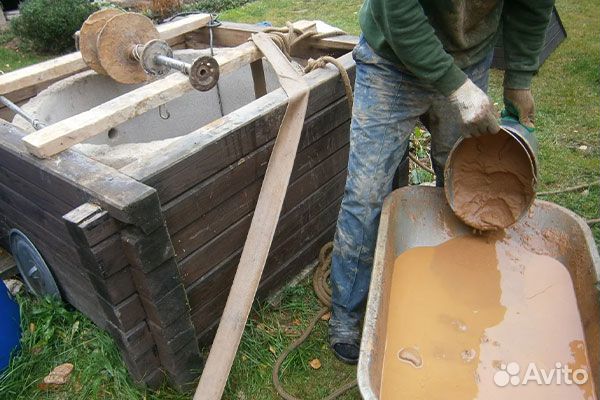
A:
566, 90
13, 55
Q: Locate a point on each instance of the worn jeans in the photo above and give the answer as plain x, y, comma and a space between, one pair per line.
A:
387, 104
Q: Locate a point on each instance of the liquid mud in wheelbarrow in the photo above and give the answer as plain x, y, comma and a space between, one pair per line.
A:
417, 217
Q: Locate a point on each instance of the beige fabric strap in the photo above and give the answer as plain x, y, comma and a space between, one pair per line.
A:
262, 229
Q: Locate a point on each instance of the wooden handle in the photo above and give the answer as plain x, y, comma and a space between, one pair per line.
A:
258, 242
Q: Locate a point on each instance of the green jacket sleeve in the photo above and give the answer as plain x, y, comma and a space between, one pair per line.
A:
524, 28
412, 38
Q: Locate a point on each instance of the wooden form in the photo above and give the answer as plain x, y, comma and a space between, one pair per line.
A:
69, 64
262, 228
149, 251
60, 136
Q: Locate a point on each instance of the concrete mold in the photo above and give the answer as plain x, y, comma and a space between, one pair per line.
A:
143, 225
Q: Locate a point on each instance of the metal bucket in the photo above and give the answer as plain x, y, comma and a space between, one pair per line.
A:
527, 144
573, 246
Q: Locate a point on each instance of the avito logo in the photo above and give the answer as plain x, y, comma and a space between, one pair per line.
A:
510, 374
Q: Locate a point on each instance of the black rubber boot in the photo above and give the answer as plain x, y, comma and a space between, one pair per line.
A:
346, 352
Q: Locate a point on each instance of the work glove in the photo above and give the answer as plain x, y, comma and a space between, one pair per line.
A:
520, 104
476, 110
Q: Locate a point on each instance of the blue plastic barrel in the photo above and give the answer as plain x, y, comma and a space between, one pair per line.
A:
10, 327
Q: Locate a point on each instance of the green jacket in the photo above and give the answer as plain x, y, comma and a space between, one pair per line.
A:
435, 39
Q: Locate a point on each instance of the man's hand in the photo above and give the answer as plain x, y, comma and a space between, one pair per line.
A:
476, 110
519, 102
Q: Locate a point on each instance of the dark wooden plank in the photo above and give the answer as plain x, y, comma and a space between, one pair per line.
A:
51, 204
258, 78
232, 239
126, 314
219, 279
109, 256
205, 319
75, 179
72, 279
36, 213
323, 134
91, 223
184, 366
146, 251
206, 151
142, 367
218, 219
136, 341
315, 142
116, 287
158, 282
35, 222
167, 309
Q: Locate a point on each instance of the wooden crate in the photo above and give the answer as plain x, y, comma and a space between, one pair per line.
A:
148, 251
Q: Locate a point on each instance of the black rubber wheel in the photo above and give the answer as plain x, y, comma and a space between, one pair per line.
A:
31, 266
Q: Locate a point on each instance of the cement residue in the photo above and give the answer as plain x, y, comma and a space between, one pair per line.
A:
123, 154
492, 181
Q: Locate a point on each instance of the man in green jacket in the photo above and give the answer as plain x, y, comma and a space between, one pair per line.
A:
420, 58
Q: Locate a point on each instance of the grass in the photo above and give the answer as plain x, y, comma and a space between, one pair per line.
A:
14, 55
566, 91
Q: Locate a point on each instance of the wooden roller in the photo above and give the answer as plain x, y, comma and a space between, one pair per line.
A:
127, 47
88, 37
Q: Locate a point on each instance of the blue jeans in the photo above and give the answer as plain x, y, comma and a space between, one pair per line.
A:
387, 103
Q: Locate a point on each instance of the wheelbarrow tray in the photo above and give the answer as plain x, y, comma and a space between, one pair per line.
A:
420, 216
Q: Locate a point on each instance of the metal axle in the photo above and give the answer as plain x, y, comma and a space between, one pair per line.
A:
156, 58
36, 123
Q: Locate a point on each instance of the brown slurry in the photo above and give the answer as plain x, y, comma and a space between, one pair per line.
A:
462, 311
492, 181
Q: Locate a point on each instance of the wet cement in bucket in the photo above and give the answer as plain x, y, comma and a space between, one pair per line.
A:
492, 181
465, 315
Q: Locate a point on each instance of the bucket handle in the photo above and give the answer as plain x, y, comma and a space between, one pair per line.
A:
512, 117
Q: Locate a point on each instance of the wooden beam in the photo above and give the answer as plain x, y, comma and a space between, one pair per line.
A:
233, 34
71, 63
41, 72
60, 136
262, 228
182, 26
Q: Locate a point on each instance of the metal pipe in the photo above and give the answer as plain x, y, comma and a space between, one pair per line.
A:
173, 63
36, 123
156, 58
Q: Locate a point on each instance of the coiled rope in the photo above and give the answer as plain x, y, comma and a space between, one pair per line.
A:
286, 38
323, 292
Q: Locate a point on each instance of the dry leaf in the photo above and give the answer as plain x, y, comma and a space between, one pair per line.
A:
31, 327
59, 375
326, 316
290, 331
272, 349
14, 286
297, 322
315, 363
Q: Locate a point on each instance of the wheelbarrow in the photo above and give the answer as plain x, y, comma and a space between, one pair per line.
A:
420, 216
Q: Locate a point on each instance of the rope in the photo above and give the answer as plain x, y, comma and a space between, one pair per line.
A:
414, 159
323, 293
286, 38
569, 189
